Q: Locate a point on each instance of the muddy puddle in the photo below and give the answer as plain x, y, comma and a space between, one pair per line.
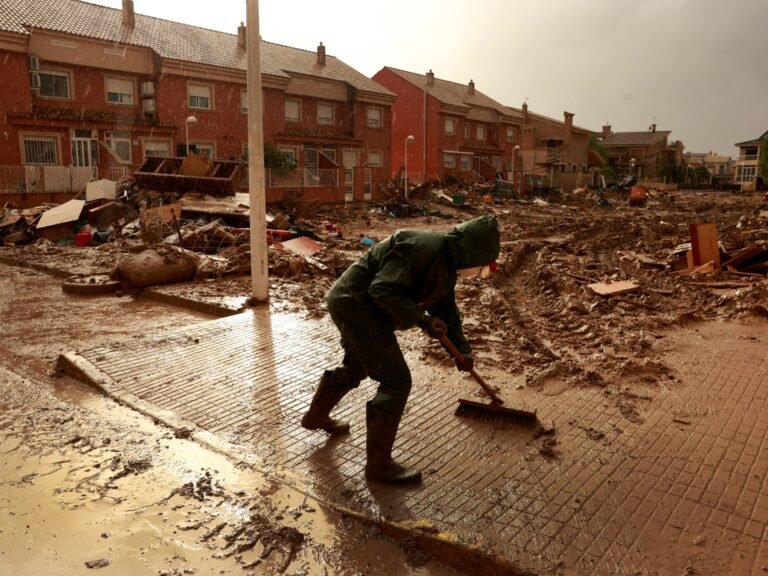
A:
89, 485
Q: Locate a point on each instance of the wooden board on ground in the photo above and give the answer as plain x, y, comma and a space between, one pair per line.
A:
613, 288
302, 245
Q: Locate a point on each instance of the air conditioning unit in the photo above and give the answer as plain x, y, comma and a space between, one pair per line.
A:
149, 106
34, 80
147, 88
34, 62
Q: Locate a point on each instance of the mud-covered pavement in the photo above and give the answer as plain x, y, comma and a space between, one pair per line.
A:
535, 325
88, 484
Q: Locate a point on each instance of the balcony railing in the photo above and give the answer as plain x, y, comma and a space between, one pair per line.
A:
306, 178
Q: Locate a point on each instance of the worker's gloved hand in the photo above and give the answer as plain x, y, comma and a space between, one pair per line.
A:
467, 365
433, 326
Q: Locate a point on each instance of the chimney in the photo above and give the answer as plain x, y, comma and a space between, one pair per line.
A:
129, 17
241, 37
652, 127
471, 87
430, 78
321, 54
525, 111
568, 128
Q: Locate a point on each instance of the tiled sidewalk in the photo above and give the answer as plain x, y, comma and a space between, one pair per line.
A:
676, 482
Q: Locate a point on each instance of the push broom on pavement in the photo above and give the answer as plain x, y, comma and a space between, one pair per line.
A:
474, 409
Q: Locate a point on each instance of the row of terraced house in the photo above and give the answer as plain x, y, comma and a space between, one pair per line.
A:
91, 92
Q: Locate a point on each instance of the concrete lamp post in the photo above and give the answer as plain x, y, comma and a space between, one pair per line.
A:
189, 120
408, 139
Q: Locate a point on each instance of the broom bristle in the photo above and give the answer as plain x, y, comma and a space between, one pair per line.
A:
488, 411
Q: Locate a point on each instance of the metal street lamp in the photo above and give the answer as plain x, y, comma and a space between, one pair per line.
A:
515, 151
408, 139
190, 120
631, 166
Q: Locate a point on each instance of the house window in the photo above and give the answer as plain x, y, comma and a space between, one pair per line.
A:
466, 130
511, 135
119, 142
119, 91
244, 101
157, 148
465, 163
325, 114
199, 96
745, 173
205, 148
449, 161
41, 150
292, 110
480, 130
54, 84
375, 158
374, 117
290, 153
450, 125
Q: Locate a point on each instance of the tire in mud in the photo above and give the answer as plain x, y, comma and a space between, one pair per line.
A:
90, 285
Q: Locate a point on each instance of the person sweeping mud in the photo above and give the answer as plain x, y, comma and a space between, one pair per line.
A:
407, 280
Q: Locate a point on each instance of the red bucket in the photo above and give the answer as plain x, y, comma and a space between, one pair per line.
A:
83, 239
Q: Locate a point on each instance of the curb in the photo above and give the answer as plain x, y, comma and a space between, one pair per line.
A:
148, 293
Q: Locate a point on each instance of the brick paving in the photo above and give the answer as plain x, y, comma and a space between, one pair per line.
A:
672, 477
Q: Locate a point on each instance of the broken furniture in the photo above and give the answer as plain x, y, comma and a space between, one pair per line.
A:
194, 173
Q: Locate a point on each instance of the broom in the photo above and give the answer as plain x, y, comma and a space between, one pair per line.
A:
496, 406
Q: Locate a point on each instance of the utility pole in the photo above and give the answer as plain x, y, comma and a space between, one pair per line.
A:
256, 187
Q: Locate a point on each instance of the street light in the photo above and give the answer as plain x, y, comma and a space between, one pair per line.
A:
408, 139
190, 120
515, 151
631, 166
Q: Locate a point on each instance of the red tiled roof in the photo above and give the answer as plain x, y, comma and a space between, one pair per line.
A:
453, 93
171, 40
635, 138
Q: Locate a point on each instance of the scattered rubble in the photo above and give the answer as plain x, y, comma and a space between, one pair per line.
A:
586, 281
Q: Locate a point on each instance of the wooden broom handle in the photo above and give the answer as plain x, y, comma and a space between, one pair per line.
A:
460, 357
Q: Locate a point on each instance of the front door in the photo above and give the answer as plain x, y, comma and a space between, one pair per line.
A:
350, 162
85, 157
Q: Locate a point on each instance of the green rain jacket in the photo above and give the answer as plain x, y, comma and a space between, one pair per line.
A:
414, 272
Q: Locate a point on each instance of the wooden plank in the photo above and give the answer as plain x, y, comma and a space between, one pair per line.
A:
744, 255
613, 288
302, 245
707, 268
704, 244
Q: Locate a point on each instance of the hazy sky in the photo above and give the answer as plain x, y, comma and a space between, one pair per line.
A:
698, 68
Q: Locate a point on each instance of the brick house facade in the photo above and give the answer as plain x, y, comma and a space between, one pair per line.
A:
456, 129
91, 91
554, 153
647, 155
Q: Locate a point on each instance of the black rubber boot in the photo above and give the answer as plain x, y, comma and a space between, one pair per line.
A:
380, 467
330, 391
